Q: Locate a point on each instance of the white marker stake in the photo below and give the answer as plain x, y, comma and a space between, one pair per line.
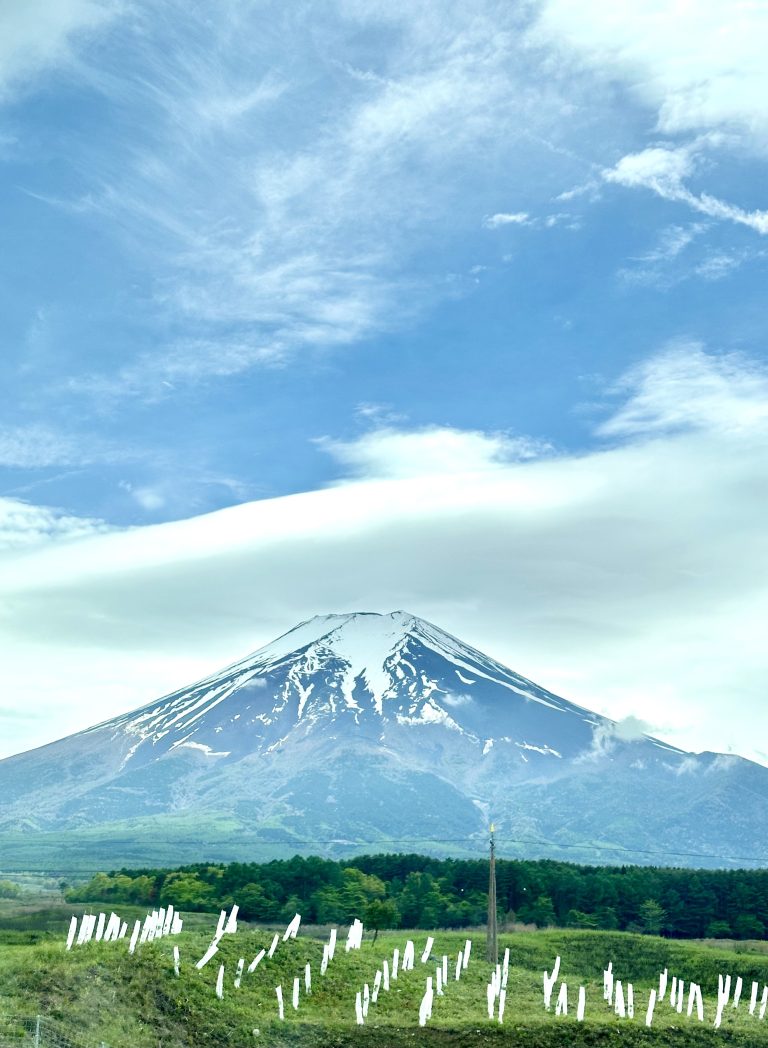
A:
112, 927
764, 1002
427, 950
408, 956
753, 998
737, 992
73, 929
691, 998
359, 1009
209, 953
220, 926
376, 986
123, 930
673, 993
445, 968
425, 1008
168, 923
490, 994
385, 976
296, 983
324, 962
366, 1000
467, 951
280, 1008
308, 978
620, 1008
663, 984
230, 927
547, 990
680, 995
100, 927
549, 982
651, 1006
176, 961
238, 973
502, 1004
608, 983
439, 981
395, 962
256, 961
505, 969
220, 982
581, 1007
561, 1008
160, 923
723, 995
293, 928
699, 1005
273, 947
134, 937
630, 1001
332, 944
458, 965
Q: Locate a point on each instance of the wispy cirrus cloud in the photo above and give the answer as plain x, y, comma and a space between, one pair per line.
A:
687, 388
279, 202
38, 36
38, 446
663, 170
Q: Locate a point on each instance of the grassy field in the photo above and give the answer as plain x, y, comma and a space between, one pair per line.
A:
137, 1002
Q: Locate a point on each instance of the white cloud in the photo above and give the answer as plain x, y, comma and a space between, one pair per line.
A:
38, 446
23, 525
629, 580
662, 170
149, 498
700, 66
38, 35
688, 388
660, 265
502, 218
630, 729
456, 701
434, 450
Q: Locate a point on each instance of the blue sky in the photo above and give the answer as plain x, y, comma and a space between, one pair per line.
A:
255, 249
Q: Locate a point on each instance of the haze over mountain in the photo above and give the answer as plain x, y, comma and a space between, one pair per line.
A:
371, 732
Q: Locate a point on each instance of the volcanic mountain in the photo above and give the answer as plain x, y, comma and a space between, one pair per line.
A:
377, 732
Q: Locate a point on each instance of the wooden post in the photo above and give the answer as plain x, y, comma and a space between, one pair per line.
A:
492, 948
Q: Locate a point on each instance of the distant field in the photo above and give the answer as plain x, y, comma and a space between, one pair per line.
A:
105, 995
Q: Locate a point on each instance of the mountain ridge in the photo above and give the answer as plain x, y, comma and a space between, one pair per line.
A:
369, 725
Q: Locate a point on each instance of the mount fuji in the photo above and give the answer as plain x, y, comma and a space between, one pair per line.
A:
369, 732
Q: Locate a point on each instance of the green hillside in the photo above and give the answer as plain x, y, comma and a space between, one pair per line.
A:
105, 995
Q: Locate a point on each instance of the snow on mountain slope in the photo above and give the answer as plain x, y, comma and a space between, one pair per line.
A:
372, 728
360, 674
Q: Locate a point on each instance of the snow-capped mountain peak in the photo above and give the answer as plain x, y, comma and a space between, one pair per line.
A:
393, 676
380, 726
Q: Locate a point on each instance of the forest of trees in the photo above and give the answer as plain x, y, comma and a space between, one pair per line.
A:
414, 891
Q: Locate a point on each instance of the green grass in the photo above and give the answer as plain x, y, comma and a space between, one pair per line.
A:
137, 1002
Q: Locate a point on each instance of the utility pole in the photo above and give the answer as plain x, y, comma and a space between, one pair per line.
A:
492, 949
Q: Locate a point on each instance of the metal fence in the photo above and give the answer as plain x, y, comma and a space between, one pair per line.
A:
22, 1031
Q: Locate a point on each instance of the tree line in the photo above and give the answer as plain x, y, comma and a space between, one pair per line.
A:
415, 891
